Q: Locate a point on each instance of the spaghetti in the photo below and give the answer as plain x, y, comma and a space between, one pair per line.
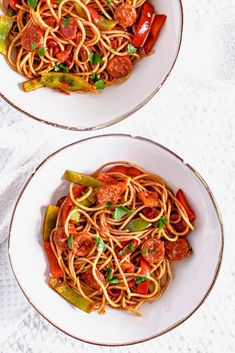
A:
114, 236
79, 45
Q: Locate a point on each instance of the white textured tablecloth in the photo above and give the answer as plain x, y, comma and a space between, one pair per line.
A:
194, 115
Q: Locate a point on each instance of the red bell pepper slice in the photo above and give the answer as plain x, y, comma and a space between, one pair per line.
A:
156, 27
68, 203
180, 196
55, 269
142, 288
121, 253
94, 14
144, 25
130, 171
107, 179
13, 4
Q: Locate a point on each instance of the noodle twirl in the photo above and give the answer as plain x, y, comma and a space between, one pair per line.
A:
112, 239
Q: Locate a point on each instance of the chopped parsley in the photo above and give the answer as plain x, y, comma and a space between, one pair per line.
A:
58, 1
99, 84
70, 241
152, 250
131, 246
66, 22
95, 58
161, 223
131, 49
109, 275
143, 251
41, 51
120, 212
60, 67
100, 244
34, 45
113, 280
94, 77
32, 3
109, 204
140, 279
109, 2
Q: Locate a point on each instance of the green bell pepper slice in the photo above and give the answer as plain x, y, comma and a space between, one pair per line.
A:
137, 224
32, 85
76, 215
62, 80
5, 27
49, 221
81, 179
70, 295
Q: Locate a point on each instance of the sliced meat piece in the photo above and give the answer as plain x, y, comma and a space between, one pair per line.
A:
60, 239
82, 244
110, 193
149, 198
91, 281
32, 38
177, 250
68, 28
125, 15
119, 66
153, 251
50, 21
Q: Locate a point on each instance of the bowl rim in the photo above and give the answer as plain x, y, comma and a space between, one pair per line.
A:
217, 268
123, 116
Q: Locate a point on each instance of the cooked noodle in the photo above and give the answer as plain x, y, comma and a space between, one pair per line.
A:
65, 35
98, 222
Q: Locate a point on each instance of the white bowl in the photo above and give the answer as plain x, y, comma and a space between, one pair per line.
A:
91, 111
193, 277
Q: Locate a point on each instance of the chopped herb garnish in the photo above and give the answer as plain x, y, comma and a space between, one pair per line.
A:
120, 212
58, 1
94, 77
131, 49
41, 51
99, 84
100, 244
130, 248
32, 3
140, 279
143, 251
113, 280
91, 56
161, 223
34, 45
152, 250
66, 22
109, 2
61, 68
95, 58
109, 274
109, 204
70, 241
